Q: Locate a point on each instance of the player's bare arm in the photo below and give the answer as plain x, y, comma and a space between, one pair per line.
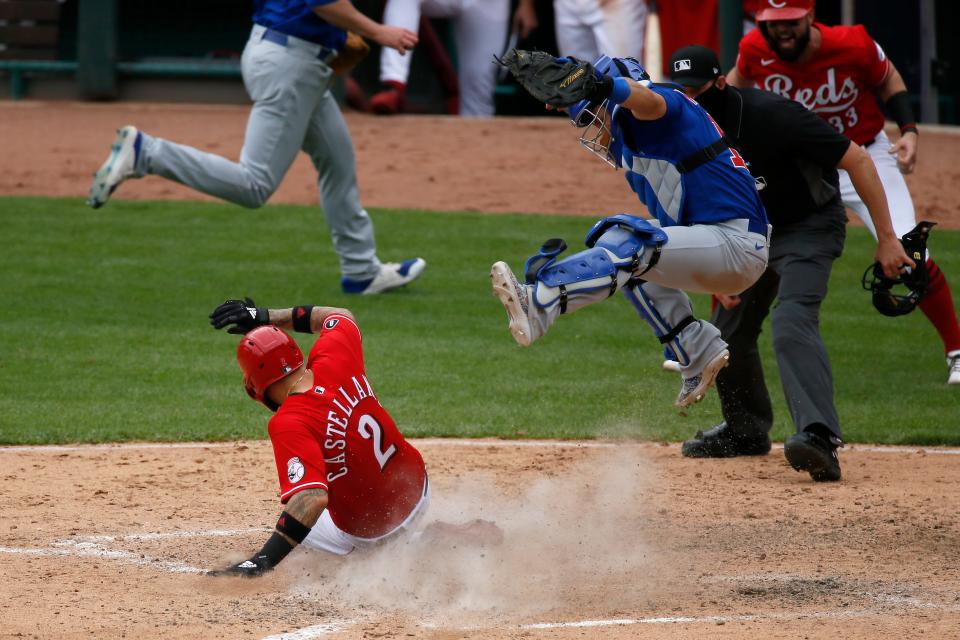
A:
525, 18
306, 506
893, 92
300, 514
284, 318
242, 316
863, 175
343, 14
643, 103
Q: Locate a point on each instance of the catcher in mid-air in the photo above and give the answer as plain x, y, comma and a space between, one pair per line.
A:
709, 233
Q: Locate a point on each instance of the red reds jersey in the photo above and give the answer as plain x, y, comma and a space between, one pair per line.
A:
839, 82
338, 438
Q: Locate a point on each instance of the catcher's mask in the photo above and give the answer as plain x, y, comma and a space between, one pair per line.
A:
267, 355
912, 283
598, 119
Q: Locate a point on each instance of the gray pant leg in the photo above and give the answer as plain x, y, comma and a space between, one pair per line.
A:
285, 86
663, 309
744, 399
329, 146
803, 256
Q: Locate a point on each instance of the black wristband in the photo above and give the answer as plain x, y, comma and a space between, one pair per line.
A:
601, 90
292, 528
900, 110
301, 318
275, 550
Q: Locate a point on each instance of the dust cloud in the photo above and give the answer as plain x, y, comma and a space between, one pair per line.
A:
563, 537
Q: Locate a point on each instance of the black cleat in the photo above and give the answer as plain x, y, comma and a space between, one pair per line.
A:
813, 453
722, 441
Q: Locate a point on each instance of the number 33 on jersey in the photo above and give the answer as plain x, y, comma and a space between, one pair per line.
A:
337, 437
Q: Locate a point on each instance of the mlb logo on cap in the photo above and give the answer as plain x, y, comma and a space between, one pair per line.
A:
682, 65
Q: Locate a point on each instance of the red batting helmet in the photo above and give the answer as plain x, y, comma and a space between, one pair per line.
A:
783, 9
266, 355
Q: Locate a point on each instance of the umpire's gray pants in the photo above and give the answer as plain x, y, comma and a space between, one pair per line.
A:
293, 109
801, 258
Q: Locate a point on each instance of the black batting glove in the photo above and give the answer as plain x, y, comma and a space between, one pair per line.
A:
244, 315
252, 568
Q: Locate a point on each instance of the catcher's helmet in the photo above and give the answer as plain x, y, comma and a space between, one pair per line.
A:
267, 355
596, 119
913, 281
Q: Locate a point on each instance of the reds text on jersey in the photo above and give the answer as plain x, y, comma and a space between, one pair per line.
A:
839, 82
338, 438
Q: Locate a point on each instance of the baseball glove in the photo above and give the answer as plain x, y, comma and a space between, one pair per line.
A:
354, 50
558, 82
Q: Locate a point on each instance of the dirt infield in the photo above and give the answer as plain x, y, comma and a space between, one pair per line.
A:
614, 540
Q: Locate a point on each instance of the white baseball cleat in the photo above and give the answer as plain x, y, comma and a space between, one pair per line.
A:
119, 166
672, 366
693, 389
515, 299
390, 276
953, 366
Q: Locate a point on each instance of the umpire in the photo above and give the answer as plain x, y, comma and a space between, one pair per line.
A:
793, 156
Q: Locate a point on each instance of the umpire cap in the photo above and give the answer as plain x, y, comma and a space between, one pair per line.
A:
694, 66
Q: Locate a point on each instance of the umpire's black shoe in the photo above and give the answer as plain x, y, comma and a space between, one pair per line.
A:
813, 453
722, 441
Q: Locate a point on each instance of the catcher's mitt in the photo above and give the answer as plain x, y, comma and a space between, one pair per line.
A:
354, 50
558, 82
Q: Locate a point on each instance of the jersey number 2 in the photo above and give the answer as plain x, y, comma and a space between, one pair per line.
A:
370, 428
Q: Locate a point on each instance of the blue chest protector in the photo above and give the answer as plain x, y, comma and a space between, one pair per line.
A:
681, 169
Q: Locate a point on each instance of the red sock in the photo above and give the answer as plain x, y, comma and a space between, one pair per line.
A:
938, 306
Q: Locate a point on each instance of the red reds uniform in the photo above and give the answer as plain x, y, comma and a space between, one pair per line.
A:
838, 82
338, 438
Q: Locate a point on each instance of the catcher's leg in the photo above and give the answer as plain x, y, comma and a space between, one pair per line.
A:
695, 344
552, 287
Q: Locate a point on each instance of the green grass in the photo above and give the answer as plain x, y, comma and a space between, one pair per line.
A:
105, 333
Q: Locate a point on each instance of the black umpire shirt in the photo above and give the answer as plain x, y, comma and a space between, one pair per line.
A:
792, 153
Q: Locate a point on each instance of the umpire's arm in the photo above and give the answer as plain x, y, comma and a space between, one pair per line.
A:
863, 174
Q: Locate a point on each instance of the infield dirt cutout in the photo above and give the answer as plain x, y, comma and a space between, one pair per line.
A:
614, 540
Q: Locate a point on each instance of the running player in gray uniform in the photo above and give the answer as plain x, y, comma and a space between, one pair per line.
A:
286, 71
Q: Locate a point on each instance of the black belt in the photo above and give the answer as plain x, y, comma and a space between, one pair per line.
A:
869, 142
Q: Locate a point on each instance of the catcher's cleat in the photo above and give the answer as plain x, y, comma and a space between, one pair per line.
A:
953, 368
813, 453
391, 276
120, 165
693, 389
516, 300
722, 441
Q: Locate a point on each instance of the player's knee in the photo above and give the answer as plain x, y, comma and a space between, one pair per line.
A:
255, 195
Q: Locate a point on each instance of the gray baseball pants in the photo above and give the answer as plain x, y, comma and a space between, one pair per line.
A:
293, 110
723, 257
801, 258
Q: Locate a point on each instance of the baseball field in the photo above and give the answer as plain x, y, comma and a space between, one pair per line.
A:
132, 460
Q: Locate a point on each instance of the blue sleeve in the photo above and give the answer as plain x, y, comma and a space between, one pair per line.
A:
317, 3
674, 99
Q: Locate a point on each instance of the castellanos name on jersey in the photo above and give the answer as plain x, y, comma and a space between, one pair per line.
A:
720, 189
337, 421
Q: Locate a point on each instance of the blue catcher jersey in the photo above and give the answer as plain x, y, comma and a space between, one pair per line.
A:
650, 150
